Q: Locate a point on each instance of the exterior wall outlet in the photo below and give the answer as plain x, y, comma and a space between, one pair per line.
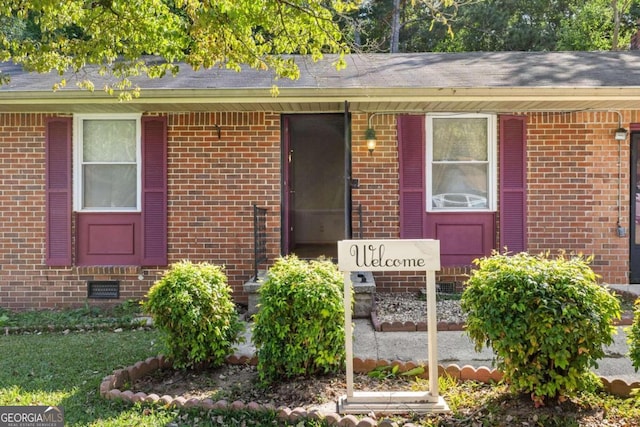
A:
622, 231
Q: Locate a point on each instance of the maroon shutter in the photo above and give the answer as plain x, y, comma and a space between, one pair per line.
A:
412, 176
58, 190
513, 183
154, 191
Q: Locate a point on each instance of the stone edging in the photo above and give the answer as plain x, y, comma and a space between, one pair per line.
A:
410, 326
625, 320
110, 388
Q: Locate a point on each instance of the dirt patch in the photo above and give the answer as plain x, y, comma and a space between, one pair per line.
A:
474, 403
241, 382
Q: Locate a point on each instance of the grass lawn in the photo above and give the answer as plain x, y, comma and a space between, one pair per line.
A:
66, 368
60, 358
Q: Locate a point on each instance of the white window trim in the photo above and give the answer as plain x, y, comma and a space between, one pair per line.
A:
492, 157
78, 119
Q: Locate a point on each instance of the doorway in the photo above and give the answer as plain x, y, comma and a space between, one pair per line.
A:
315, 210
634, 209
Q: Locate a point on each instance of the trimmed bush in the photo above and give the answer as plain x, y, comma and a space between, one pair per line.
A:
299, 327
633, 336
192, 306
547, 320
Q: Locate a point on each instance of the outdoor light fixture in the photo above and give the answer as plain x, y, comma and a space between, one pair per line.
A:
370, 136
621, 134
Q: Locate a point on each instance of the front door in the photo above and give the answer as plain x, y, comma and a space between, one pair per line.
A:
634, 229
314, 206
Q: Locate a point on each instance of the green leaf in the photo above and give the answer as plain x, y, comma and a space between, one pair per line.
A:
192, 306
546, 319
114, 36
299, 326
418, 370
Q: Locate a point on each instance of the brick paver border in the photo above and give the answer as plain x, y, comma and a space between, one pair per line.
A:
111, 388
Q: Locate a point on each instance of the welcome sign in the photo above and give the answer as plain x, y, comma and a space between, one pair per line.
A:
391, 255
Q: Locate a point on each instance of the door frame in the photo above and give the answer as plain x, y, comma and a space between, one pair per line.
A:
287, 222
348, 183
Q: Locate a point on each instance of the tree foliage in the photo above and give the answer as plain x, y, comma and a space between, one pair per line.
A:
521, 25
499, 25
63, 35
598, 25
405, 25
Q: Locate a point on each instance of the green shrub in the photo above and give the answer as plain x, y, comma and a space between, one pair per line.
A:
547, 320
299, 326
192, 306
633, 336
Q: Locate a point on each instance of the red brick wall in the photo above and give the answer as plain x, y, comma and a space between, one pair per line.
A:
213, 183
378, 175
574, 188
22, 211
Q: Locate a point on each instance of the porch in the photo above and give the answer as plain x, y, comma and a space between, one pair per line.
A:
363, 283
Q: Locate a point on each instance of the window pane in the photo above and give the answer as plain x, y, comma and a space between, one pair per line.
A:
460, 139
109, 141
110, 186
460, 185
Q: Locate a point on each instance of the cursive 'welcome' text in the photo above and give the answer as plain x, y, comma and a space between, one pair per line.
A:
373, 256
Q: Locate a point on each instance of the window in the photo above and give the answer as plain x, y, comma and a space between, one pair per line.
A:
461, 162
110, 232
107, 167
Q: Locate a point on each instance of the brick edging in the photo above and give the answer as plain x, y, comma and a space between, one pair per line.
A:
110, 388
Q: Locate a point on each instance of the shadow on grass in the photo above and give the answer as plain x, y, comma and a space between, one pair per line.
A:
66, 370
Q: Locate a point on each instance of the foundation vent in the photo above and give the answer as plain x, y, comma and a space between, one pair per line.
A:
446, 287
103, 289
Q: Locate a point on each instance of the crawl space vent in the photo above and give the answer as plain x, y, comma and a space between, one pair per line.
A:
446, 287
103, 289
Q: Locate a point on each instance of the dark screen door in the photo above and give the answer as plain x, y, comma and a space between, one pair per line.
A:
316, 200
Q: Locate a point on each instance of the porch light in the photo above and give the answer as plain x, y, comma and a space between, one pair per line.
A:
621, 134
370, 136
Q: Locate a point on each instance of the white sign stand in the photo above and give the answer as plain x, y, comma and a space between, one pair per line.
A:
391, 255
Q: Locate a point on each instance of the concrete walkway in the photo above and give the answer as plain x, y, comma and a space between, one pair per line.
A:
454, 347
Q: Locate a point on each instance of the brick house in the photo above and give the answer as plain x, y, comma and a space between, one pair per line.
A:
480, 150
